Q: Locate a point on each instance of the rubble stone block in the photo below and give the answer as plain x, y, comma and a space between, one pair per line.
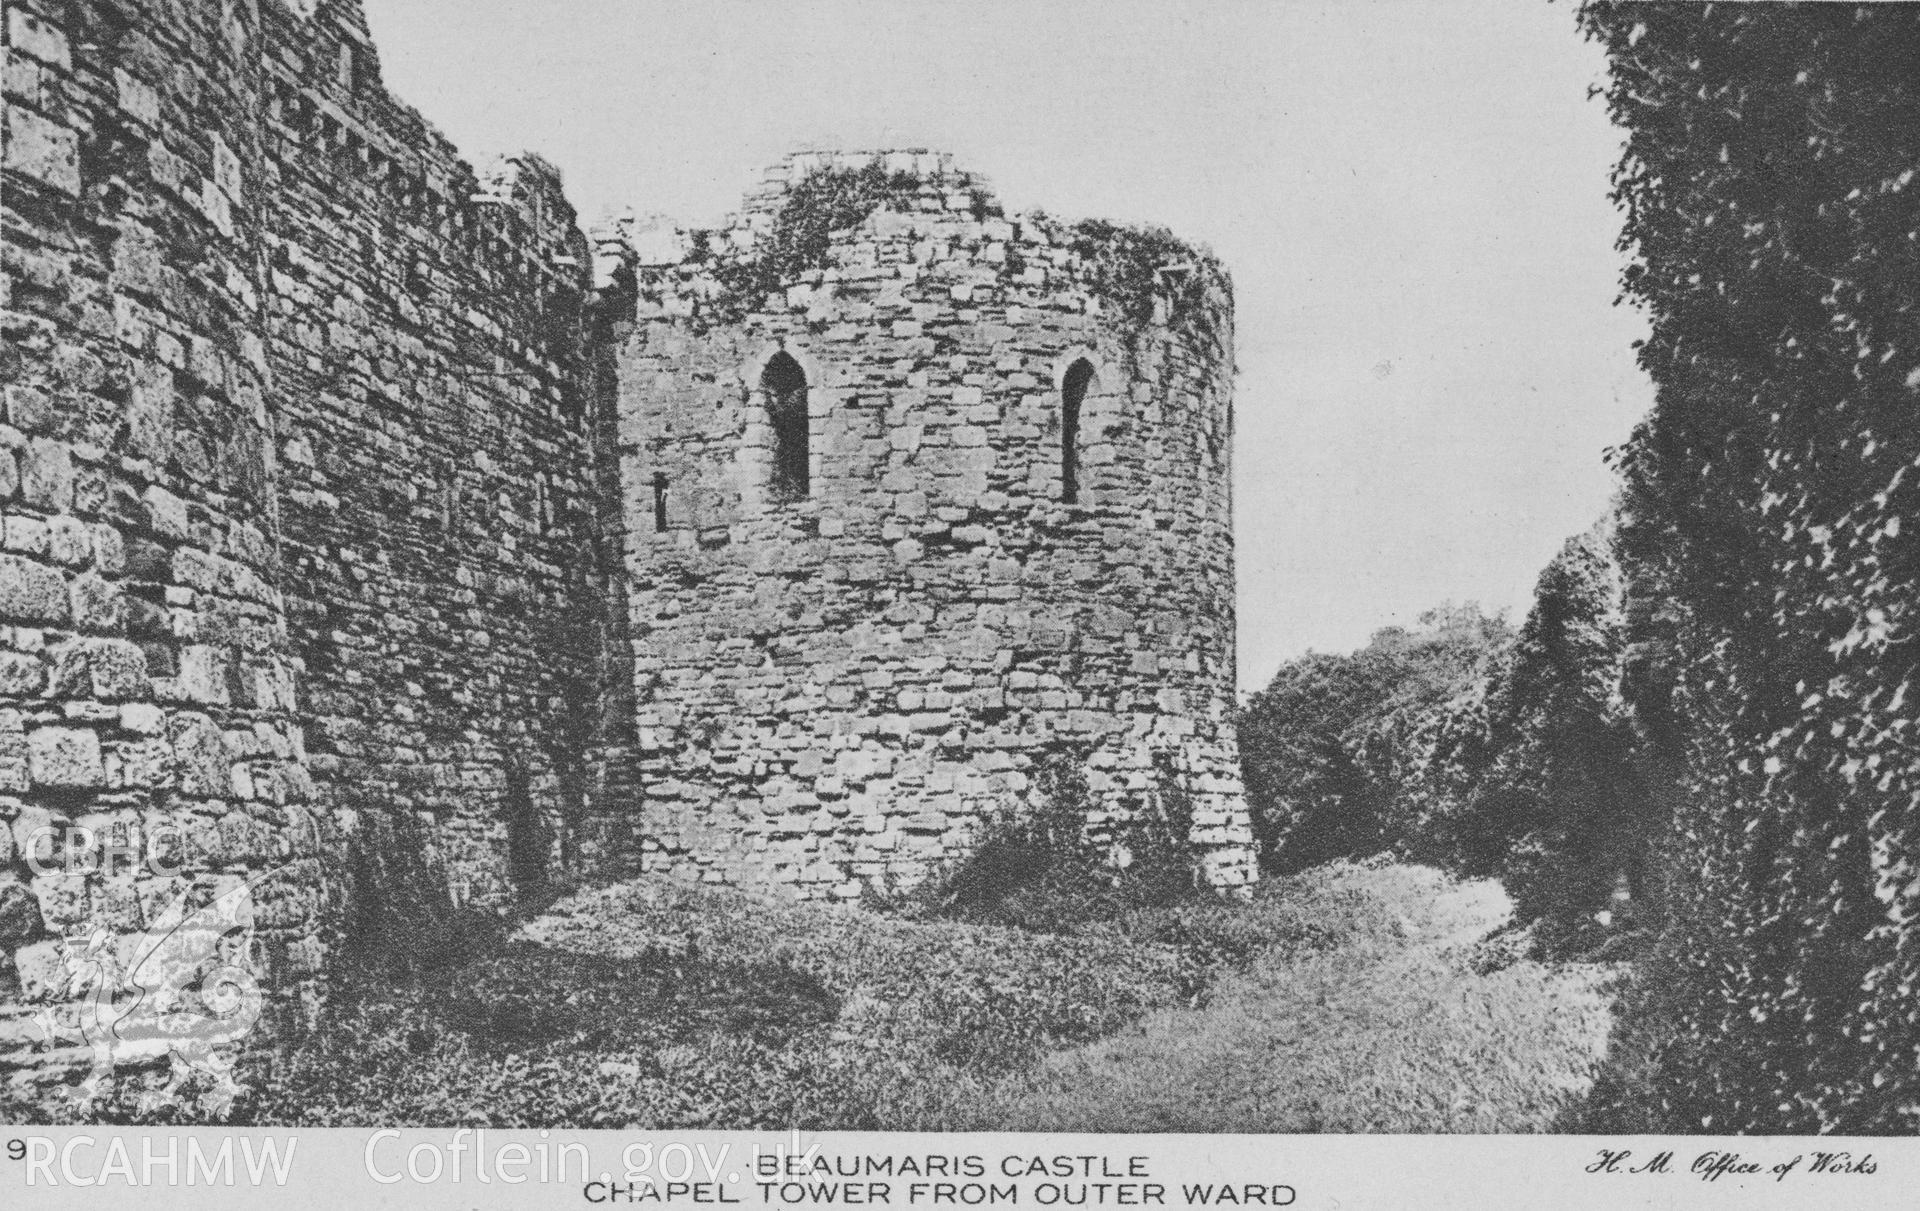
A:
42, 970
138, 98
63, 898
20, 920
28, 536
42, 149
21, 675
98, 605
31, 592
203, 675
107, 670
201, 756
33, 35
29, 408
46, 475
65, 757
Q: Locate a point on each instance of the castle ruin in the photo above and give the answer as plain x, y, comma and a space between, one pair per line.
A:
374, 538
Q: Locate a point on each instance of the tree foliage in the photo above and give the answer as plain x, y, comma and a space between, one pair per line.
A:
1321, 747
1768, 186
1557, 807
1464, 743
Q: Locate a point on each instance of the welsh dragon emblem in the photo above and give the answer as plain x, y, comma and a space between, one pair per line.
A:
182, 994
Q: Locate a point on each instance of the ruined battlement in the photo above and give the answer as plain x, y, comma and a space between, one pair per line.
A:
782, 232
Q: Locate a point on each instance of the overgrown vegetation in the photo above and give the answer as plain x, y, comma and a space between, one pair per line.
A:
827, 199
666, 1004
1465, 743
1387, 1015
1534, 776
1325, 746
1147, 267
1038, 867
1142, 269
1768, 183
1041, 985
1355, 998
656, 1003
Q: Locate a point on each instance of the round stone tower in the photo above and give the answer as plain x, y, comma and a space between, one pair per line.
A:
927, 520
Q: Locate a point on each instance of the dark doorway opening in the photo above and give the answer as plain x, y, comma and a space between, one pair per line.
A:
529, 837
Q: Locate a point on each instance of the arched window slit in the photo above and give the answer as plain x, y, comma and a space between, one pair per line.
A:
784, 384
1073, 392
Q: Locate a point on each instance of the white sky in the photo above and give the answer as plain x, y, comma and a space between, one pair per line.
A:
1411, 198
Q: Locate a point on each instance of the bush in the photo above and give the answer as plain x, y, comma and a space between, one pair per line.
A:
1036, 866
1470, 746
1324, 747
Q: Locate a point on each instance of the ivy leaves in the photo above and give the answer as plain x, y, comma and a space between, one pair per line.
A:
1767, 188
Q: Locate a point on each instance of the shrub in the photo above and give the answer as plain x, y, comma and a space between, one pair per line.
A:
1324, 748
1036, 865
826, 200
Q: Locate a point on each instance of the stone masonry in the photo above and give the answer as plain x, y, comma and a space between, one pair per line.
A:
357, 545
842, 684
300, 559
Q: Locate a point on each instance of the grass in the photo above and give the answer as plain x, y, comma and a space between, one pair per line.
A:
656, 1003
1353, 997
1414, 1021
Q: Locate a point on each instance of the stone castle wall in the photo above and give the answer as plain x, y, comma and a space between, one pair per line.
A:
437, 472
842, 687
300, 580
146, 670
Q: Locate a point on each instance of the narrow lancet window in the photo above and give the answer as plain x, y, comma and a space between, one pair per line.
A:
785, 385
659, 502
1073, 391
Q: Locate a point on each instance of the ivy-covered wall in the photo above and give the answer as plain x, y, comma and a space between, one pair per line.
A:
1773, 215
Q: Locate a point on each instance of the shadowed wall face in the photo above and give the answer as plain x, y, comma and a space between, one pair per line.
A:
149, 745
435, 407
300, 590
